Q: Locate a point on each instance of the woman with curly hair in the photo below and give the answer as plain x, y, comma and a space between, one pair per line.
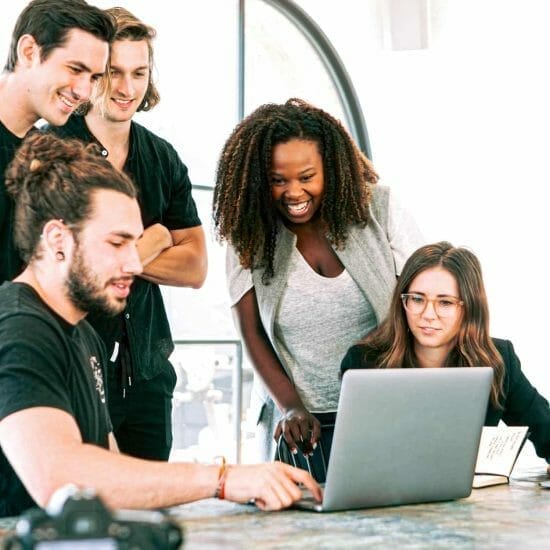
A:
315, 247
439, 317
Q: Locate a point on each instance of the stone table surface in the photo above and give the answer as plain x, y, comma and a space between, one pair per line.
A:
506, 516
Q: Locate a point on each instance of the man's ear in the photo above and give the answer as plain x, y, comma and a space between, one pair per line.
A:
56, 239
28, 50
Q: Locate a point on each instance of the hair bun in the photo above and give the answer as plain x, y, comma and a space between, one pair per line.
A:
39, 153
34, 165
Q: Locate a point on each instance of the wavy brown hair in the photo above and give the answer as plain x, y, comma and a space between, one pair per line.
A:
393, 344
243, 210
128, 27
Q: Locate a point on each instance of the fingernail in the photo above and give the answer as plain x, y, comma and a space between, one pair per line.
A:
294, 451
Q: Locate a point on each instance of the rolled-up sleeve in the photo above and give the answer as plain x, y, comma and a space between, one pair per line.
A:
239, 279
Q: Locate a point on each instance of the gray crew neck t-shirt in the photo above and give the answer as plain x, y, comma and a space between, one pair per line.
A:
318, 319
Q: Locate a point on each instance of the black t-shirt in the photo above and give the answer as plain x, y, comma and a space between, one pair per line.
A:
10, 262
47, 362
164, 197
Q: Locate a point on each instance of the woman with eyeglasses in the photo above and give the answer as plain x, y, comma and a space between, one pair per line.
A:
439, 317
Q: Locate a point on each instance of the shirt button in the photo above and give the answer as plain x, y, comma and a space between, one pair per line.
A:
127, 316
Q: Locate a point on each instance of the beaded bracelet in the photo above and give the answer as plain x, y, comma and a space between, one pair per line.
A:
220, 489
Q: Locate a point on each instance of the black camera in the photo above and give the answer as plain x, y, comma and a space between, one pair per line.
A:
77, 519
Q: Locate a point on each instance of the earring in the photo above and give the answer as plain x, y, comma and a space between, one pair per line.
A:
59, 256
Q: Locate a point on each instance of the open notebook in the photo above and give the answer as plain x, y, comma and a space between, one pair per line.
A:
499, 449
404, 436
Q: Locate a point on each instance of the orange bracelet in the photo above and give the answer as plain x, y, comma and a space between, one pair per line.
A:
220, 489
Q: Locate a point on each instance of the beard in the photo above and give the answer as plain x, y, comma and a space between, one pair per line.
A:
86, 291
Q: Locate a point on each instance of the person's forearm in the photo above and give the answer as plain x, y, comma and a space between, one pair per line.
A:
184, 263
177, 266
127, 482
270, 370
262, 355
155, 239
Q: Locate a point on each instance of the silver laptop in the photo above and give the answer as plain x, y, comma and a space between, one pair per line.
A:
404, 436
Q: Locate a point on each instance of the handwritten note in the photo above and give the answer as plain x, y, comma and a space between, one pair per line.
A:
499, 448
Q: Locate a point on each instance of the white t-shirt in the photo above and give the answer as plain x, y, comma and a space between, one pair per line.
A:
318, 319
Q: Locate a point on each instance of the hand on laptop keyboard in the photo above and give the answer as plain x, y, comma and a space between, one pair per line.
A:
272, 486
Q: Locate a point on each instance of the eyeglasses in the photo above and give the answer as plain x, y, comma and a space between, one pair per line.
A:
444, 306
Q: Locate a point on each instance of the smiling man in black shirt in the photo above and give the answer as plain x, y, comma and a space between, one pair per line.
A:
172, 249
52, 66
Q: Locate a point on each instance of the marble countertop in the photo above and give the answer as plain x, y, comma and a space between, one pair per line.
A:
505, 516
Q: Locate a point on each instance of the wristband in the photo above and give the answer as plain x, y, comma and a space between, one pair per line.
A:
220, 489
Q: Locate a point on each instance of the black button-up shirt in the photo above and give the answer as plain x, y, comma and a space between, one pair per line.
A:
164, 197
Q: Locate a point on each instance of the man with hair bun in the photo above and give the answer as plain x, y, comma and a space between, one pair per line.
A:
172, 249
77, 225
59, 48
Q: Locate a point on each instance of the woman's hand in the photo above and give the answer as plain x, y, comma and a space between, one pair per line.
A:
300, 429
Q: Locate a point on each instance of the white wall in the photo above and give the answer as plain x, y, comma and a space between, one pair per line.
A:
460, 129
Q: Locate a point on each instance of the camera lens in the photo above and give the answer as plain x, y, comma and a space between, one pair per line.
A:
83, 525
